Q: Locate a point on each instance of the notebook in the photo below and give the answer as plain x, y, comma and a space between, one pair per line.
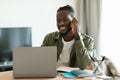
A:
34, 62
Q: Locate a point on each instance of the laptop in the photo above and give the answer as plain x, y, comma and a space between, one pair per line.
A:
34, 62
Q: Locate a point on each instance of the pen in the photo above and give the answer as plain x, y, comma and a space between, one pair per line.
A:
94, 71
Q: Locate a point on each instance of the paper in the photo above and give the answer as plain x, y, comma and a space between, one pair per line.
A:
104, 77
66, 69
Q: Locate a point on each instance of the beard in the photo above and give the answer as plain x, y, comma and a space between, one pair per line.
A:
68, 30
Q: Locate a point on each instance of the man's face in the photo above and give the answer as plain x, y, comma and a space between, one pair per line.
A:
63, 22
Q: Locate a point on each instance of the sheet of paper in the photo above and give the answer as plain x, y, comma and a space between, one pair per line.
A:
104, 77
66, 69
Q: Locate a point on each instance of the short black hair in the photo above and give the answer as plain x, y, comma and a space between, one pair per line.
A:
67, 8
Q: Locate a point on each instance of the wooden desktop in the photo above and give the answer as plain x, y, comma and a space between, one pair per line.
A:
8, 75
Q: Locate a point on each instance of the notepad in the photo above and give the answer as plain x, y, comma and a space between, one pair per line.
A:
71, 72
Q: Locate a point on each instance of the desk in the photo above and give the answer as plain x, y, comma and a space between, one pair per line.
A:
8, 76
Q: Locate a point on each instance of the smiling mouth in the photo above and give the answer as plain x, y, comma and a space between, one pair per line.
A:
62, 28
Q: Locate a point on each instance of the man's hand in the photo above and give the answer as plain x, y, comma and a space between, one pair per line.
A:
75, 27
90, 67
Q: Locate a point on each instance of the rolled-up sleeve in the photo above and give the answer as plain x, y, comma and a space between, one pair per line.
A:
83, 49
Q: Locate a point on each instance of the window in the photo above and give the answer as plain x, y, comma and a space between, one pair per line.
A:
110, 31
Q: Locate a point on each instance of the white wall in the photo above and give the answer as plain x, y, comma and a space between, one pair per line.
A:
38, 14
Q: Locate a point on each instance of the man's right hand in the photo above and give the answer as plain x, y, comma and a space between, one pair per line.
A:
75, 27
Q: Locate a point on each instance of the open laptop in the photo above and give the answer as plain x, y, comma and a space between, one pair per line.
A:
34, 62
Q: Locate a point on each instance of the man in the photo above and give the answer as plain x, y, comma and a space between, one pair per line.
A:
73, 49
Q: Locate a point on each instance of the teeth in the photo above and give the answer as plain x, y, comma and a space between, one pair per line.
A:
62, 28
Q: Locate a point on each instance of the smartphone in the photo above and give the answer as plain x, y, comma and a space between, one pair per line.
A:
71, 18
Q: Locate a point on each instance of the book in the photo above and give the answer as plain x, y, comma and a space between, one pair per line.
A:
68, 75
69, 72
83, 73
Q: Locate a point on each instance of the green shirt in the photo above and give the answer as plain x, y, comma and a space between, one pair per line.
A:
79, 56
